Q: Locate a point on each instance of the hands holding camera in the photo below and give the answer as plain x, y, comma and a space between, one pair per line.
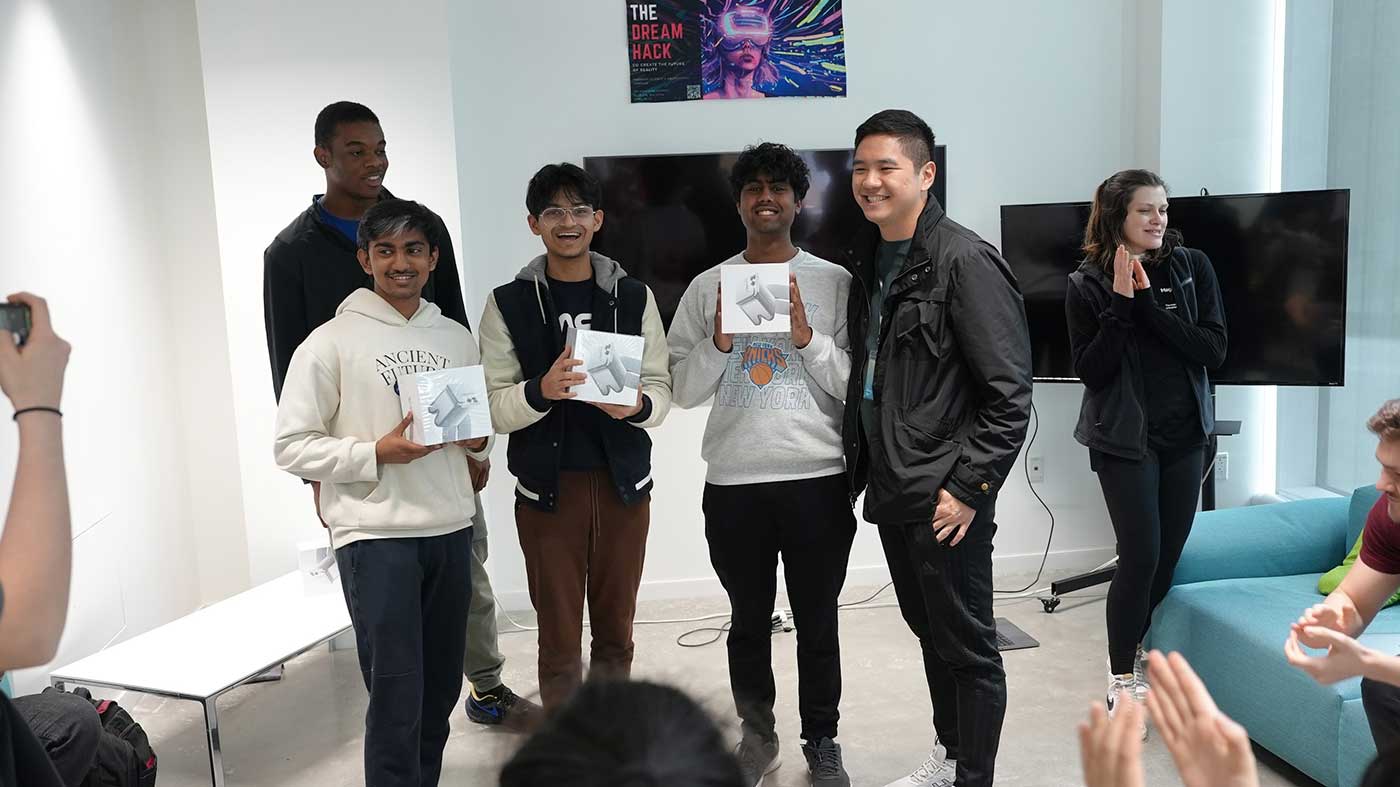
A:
32, 375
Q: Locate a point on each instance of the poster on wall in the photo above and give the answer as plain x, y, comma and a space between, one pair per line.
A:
690, 50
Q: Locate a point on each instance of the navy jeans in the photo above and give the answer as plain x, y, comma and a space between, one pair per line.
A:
408, 600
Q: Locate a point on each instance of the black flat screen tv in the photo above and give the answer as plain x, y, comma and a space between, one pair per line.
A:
1281, 260
670, 217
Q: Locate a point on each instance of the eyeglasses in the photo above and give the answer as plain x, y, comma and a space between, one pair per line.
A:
581, 214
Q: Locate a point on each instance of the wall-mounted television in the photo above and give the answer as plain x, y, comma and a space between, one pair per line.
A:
1282, 264
669, 217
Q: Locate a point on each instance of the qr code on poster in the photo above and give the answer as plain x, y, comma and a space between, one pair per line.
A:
692, 92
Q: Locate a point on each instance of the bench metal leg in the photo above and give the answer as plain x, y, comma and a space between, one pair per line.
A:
216, 754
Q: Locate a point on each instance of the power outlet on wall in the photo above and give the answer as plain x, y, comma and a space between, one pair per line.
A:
1222, 465
1035, 468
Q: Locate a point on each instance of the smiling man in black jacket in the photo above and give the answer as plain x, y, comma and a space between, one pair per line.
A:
936, 411
308, 270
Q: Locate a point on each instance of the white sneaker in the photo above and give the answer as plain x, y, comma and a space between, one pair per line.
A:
1140, 673
1128, 683
936, 771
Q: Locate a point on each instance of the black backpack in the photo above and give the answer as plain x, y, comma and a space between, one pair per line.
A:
124, 756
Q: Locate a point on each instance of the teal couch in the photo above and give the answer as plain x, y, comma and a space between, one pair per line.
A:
1245, 575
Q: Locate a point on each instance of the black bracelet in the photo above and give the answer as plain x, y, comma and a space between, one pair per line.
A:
53, 410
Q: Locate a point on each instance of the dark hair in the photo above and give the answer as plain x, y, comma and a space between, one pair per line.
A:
914, 135
571, 179
1110, 209
333, 116
617, 733
395, 217
778, 162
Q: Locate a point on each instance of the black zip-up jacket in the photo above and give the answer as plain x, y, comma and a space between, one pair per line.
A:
1102, 338
520, 340
310, 268
952, 378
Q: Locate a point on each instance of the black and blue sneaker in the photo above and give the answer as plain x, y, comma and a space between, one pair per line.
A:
504, 707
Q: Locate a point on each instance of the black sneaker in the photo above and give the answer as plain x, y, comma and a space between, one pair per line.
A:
757, 757
824, 764
505, 707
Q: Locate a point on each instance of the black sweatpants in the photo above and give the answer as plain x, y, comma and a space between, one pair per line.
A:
408, 600
809, 522
1152, 504
1382, 703
945, 596
69, 728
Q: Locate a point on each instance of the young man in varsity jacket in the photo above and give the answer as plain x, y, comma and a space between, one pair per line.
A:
583, 471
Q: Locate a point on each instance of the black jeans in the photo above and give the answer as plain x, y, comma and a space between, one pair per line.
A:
1152, 504
945, 595
1382, 704
408, 600
69, 728
810, 523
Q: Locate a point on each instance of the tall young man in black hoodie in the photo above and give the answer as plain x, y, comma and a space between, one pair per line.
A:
308, 270
583, 471
936, 411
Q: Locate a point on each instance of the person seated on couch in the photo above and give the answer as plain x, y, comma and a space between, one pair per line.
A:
1335, 624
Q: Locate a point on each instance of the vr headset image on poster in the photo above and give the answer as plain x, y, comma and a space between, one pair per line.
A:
688, 50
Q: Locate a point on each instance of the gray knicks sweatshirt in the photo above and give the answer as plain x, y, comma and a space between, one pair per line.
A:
776, 412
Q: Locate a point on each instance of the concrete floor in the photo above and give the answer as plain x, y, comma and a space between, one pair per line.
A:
307, 729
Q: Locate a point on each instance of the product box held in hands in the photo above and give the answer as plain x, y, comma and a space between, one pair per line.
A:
612, 365
447, 405
754, 298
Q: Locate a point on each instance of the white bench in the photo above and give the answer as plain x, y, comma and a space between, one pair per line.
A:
205, 653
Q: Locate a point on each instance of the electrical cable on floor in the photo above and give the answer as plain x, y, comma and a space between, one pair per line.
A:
1026, 465
519, 627
1026, 592
719, 632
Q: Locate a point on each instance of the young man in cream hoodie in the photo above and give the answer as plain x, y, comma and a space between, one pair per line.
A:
776, 477
399, 513
583, 471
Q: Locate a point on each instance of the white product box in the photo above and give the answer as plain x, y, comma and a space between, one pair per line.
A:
447, 405
316, 560
613, 364
754, 298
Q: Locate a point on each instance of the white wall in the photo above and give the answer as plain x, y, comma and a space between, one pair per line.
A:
268, 68
1364, 155
85, 135
1307, 86
1218, 115
1032, 101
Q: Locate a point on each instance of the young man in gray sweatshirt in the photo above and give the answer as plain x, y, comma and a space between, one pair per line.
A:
775, 482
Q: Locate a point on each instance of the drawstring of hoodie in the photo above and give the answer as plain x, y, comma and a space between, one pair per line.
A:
539, 299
